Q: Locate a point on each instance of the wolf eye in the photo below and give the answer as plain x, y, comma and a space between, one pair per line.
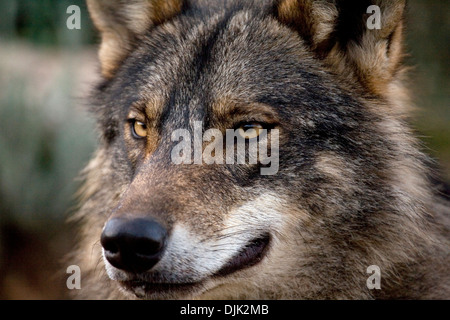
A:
250, 130
139, 129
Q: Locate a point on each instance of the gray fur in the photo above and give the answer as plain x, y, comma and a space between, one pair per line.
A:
353, 188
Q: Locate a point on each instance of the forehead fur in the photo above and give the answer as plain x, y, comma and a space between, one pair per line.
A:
237, 53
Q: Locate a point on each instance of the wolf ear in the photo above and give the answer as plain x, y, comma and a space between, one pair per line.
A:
121, 23
363, 35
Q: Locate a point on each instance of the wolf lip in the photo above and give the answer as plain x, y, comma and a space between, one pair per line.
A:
249, 256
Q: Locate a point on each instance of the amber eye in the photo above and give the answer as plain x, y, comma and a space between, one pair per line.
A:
250, 130
139, 129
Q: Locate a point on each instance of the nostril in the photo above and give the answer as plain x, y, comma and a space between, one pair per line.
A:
133, 244
109, 246
147, 248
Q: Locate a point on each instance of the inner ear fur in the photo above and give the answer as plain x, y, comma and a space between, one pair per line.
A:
336, 31
121, 23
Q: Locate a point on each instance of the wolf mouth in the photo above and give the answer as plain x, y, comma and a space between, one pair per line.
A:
250, 255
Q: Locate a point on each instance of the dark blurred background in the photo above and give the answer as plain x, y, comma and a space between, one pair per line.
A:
46, 136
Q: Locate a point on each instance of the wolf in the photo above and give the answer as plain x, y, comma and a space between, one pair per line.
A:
353, 191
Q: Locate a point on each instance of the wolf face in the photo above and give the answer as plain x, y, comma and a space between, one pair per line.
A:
351, 188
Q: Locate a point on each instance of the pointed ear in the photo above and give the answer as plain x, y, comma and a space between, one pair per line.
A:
360, 36
121, 23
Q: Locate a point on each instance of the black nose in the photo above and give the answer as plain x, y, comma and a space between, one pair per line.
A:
134, 245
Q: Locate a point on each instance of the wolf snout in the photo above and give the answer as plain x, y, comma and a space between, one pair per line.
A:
133, 245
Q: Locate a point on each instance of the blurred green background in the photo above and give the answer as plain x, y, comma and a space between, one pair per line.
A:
46, 137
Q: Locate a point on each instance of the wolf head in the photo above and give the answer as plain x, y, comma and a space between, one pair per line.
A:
349, 191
